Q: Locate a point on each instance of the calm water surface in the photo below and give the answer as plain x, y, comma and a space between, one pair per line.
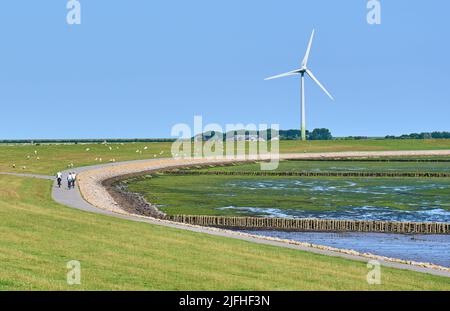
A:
423, 248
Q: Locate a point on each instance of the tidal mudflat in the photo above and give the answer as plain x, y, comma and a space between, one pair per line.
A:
395, 199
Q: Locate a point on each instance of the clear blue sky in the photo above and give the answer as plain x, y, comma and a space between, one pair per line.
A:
135, 68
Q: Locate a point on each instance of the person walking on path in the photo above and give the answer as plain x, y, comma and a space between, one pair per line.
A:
69, 181
59, 179
74, 178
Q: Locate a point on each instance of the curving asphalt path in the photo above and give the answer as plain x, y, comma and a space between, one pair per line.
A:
73, 198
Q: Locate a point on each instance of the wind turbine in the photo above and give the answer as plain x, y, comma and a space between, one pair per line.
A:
304, 69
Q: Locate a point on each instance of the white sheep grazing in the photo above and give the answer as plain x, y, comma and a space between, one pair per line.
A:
87, 149
145, 148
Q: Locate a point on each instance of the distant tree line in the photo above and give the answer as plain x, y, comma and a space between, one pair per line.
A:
316, 134
357, 138
320, 134
432, 135
84, 141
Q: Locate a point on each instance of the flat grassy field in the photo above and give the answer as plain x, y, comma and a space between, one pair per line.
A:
49, 158
363, 145
220, 195
38, 237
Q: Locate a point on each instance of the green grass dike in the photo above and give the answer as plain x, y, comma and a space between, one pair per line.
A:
38, 237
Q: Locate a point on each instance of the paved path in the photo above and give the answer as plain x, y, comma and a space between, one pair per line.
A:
72, 198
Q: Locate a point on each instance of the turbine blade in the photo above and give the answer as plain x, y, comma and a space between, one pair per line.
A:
311, 75
308, 50
290, 73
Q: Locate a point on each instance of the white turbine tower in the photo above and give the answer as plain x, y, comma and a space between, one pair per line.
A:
304, 69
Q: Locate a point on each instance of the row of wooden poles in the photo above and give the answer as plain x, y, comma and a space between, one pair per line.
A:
318, 225
314, 174
372, 160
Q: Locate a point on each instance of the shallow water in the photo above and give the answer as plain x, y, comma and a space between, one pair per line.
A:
423, 248
351, 213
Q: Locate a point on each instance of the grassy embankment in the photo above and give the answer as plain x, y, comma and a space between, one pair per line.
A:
38, 237
57, 157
